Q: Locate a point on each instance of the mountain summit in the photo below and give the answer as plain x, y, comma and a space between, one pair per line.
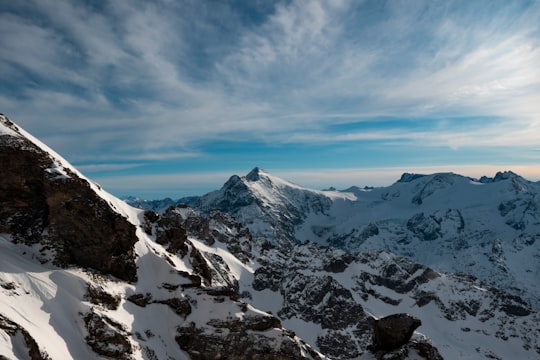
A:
270, 206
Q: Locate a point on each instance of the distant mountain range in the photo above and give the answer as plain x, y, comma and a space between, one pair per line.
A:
263, 268
487, 227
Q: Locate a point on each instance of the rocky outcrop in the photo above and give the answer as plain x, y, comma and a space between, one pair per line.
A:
414, 349
170, 232
251, 337
394, 331
43, 202
317, 298
107, 337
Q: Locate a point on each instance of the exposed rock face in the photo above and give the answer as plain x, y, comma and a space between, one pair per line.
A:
107, 337
252, 337
42, 201
394, 331
170, 232
392, 339
414, 349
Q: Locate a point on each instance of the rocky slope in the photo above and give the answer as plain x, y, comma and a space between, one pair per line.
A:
84, 276
331, 297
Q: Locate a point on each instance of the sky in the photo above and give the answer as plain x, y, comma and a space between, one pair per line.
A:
170, 98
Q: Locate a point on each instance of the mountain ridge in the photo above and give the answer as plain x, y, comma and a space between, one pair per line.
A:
162, 304
437, 211
207, 285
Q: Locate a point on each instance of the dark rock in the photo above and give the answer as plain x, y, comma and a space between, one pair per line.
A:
242, 339
394, 331
415, 349
43, 203
506, 207
337, 345
98, 296
150, 217
408, 177
426, 228
200, 266
230, 292
106, 337
267, 278
321, 300
179, 306
195, 279
140, 299
169, 231
426, 350
398, 276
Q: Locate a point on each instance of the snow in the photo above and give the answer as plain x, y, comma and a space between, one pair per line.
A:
48, 301
45, 302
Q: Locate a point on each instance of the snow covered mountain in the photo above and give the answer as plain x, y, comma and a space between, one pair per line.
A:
154, 205
84, 275
489, 228
330, 297
81, 279
272, 208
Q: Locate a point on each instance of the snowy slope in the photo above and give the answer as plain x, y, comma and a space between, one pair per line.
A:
271, 207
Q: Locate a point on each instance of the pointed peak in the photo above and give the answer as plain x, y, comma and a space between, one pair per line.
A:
503, 175
408, 177
254, 175
233, 181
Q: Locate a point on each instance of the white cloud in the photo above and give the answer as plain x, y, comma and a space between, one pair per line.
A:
151, 76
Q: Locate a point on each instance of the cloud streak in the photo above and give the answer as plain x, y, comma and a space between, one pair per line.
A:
139, 79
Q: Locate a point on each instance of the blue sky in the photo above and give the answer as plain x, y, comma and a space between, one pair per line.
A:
170, 98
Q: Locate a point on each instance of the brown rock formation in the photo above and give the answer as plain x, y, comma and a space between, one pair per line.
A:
41, 202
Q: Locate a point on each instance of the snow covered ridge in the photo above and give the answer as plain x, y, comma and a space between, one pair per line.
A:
489, 228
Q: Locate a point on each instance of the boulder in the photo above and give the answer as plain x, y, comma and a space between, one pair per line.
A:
394, 331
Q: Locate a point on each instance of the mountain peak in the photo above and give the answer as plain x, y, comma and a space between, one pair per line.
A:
408, 177
254, 175
503, 175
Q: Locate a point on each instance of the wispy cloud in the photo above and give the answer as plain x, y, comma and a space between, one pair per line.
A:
106, 167
136, 79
